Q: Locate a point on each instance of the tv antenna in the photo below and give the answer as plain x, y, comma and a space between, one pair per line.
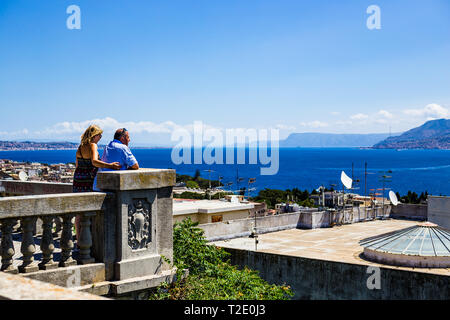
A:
229, 184
384, 179
321, 190
250, 181
365, 178
209, 178
346, 183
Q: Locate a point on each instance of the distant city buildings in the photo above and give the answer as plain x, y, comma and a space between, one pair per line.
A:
30, 145
34, 171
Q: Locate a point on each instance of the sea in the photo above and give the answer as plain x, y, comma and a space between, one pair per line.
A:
303, 168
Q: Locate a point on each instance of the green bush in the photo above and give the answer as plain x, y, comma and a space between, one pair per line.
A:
211, 276
192, 185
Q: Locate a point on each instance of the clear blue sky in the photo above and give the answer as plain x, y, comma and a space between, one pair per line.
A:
297, 65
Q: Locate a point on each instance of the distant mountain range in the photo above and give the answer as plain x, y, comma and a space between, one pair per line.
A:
332, 140
433, 134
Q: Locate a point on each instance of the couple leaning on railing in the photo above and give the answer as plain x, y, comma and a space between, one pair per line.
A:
116, 156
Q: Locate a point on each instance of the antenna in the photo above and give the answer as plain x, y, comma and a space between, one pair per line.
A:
347, 183
321, 190
384, 178
250, 181
209, 178
365, 181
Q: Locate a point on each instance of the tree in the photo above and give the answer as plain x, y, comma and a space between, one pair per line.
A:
192, 185
197, 174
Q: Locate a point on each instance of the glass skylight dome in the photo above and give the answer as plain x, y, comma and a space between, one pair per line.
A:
424, 245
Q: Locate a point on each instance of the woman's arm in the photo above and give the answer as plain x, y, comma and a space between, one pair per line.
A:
100, 164
76, 157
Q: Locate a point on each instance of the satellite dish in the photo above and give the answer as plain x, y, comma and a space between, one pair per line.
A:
393, 198
346, 180
234, 199
23, 176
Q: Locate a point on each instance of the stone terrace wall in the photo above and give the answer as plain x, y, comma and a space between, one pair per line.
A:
321, 279
439, 211
410, 211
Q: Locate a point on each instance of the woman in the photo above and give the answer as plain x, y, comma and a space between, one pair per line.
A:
87, 164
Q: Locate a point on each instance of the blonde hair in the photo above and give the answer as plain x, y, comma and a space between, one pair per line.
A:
90, 133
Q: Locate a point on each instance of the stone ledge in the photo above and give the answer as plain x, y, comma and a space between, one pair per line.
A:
99, 288
15, 287
142, 283
123, 287
124, 180
54, 204
78, 275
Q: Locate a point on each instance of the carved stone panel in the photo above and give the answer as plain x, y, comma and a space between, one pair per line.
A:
139, 224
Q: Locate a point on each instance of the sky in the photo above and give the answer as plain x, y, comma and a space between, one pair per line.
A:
155, 66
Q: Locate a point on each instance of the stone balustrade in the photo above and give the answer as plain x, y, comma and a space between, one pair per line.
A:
27, 209
125, 239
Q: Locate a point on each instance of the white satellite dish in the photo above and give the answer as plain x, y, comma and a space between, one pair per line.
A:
23, 176
393, 198
346, 180
234, 199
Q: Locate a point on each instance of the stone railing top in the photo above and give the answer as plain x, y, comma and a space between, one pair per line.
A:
34, 187
136, 179
53, 204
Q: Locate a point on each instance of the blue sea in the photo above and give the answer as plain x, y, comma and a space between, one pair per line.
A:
304, 168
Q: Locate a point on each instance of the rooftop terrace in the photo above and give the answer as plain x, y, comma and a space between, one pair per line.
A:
338, 244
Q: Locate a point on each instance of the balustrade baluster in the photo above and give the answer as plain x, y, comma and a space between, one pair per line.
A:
85, 239
66, 242
58, 227
47, 244
27, 247
7, 246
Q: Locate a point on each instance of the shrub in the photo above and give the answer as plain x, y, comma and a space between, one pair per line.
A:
211, 276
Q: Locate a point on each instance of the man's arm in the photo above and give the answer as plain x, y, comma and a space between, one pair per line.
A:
130, 160
134, 166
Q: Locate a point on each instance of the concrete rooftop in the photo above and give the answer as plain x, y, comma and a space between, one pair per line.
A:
186, 206
340, 243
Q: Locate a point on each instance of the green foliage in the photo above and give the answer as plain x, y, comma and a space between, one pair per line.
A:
412, 197
199, 181
191, 195
211, 276
192, 185
274, 196
190, 249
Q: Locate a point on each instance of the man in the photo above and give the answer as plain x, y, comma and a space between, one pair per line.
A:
118, 151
